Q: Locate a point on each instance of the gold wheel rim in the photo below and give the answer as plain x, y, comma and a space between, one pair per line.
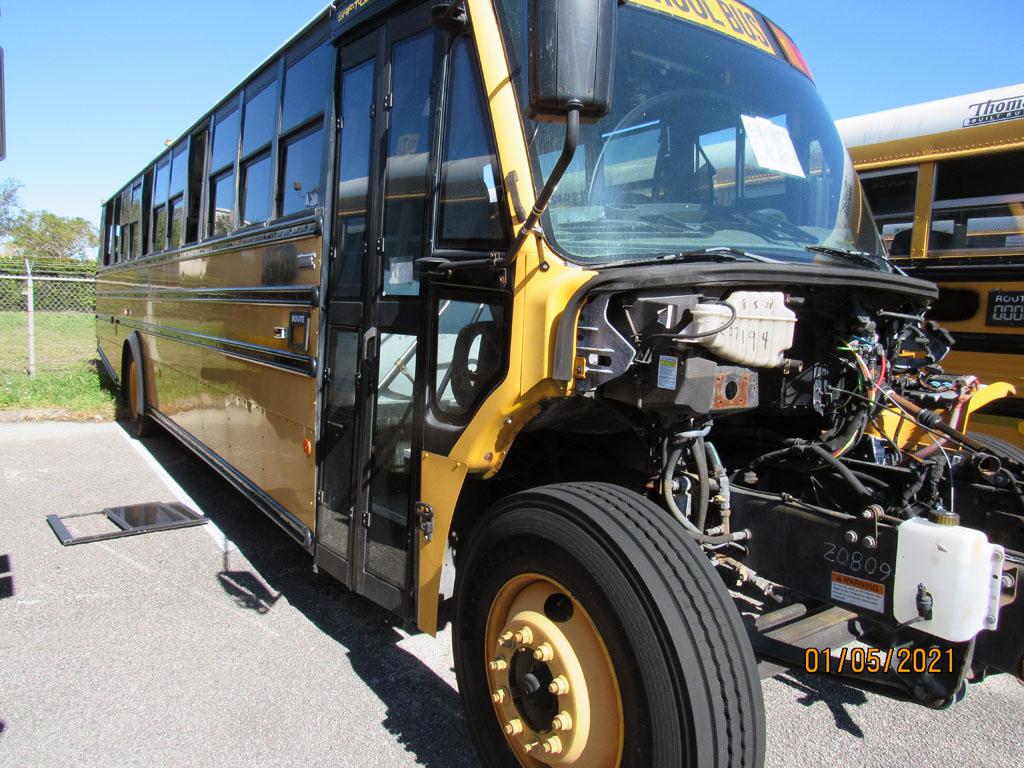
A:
133, 388
543, 659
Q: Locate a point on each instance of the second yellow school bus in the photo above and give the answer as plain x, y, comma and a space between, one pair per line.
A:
945, 180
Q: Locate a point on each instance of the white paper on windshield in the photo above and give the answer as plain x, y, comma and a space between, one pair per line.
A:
773, 148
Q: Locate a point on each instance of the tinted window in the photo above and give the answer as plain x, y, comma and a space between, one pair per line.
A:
259, 119
984, 176
222, 202
301, 177
469, 197
978, 203
305, 87
892, 193
179, 170
892, 197
136, 210
256, 191
163, 174
405, 191
177, 222
353, 172
225, 141
160, 229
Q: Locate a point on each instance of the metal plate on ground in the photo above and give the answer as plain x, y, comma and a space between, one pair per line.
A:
130, 520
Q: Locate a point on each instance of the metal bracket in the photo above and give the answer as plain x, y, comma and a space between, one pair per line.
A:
425, 520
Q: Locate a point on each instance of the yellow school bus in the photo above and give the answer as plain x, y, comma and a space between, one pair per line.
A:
946, 183
582, 300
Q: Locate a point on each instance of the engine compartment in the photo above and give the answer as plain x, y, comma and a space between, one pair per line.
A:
795, 427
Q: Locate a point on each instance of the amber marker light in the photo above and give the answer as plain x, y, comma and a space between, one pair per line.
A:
307, 447
792, 52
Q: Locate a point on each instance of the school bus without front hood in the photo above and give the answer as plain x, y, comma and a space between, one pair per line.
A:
586, 294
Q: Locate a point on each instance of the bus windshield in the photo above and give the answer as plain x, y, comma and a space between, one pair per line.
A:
711, 143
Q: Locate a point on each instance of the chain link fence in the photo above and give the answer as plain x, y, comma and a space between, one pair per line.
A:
47, 321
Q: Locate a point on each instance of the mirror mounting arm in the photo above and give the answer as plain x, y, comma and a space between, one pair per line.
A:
572, 138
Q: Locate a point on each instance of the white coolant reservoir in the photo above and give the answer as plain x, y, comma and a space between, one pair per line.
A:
763, 330
958, 567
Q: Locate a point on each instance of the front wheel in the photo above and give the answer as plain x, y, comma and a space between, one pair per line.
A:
591, 632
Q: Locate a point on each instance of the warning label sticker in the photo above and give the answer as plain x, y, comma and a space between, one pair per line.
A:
668, 372
859, 592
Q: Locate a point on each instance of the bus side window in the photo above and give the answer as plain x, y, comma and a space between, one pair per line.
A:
257, 170
159, 218
891, 195
176, 204
470, 211
978, 203
302, 137
223, 155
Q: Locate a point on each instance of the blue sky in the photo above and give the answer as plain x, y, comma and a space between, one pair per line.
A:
94, 88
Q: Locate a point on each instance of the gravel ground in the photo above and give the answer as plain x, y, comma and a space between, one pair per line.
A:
218, 645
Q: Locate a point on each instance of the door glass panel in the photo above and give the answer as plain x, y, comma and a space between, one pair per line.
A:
391, 474
405, 189
339, 444
469, 355
354, 148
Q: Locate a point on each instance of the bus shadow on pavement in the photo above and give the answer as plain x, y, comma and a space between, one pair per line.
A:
423, 711
832, 693
6, 579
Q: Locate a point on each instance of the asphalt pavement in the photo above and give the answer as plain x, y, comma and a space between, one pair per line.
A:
217, 645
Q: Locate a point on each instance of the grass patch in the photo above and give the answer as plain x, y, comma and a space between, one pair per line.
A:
67, 384
63, 339
76, 391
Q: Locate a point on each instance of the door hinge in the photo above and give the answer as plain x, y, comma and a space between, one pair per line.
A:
320, 496
425, 519
339, 123
380, 245
366, 519
389, 100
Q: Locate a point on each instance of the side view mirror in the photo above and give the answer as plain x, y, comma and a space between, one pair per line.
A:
571, 58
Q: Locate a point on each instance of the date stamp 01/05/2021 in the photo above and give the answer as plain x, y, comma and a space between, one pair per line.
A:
898, 660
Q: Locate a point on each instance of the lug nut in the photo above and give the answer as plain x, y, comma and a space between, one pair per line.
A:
551, 745
514, 727
500, 696
870, 542
524, 636
851, 537
507, 640
498, 665
559, 686
562, 722
544, 652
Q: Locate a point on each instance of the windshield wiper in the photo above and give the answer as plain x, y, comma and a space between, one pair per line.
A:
858, 257
716, 253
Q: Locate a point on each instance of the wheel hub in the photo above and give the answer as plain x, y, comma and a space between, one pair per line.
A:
552, 683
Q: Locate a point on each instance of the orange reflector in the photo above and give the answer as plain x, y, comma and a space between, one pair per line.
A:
307, 447
792, 52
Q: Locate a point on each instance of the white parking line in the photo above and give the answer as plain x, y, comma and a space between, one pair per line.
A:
180, 494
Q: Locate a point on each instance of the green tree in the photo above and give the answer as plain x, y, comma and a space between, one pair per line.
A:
8, 205
45, 235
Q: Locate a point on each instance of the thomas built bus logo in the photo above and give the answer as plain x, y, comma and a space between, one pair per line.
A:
995, 111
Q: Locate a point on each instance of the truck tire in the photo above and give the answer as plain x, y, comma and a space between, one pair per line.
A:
590, 631
1001, 448
134, 393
